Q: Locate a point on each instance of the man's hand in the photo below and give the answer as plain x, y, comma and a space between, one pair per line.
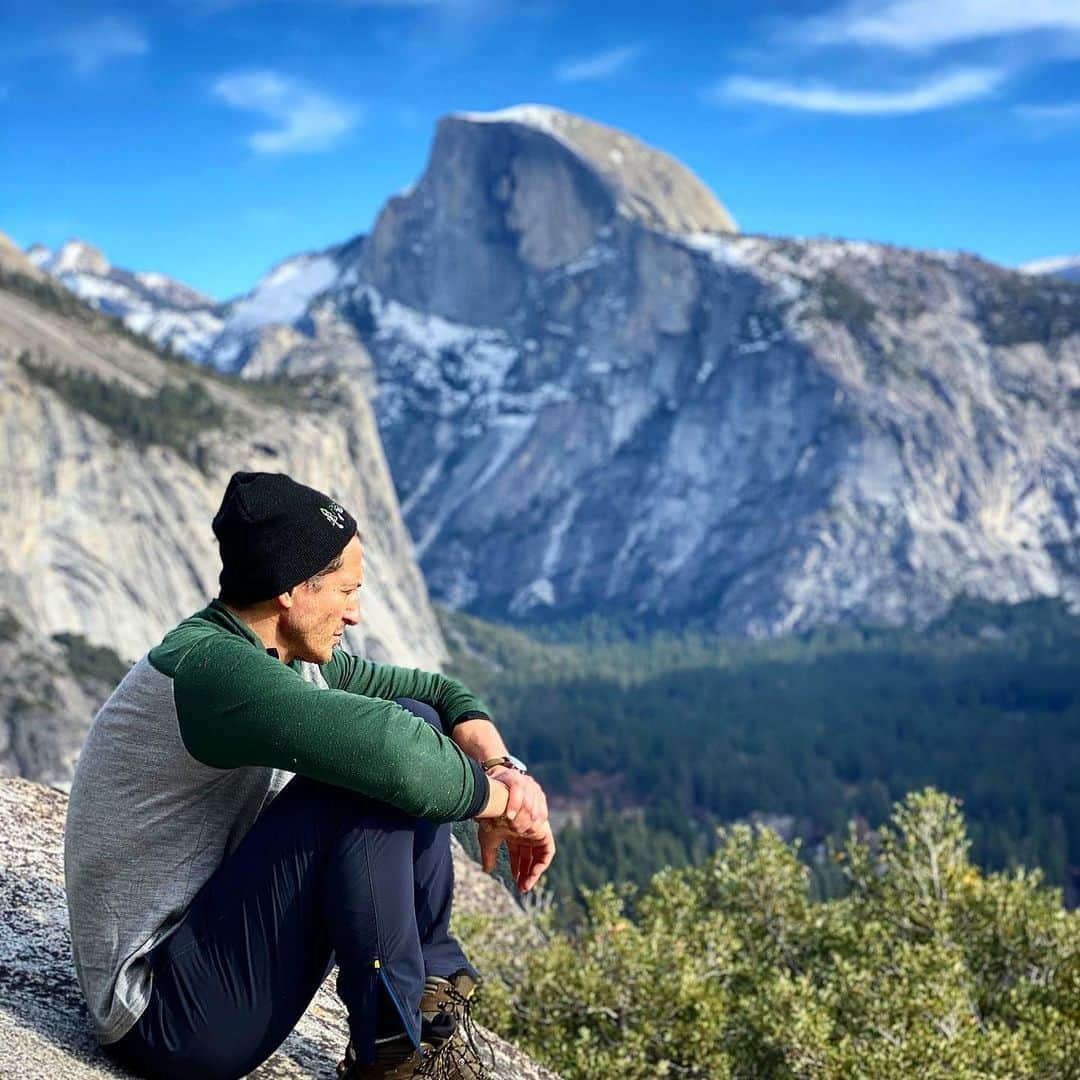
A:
516, 811
526, 804
530, 854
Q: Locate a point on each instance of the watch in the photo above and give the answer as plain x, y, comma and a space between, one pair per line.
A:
507, 761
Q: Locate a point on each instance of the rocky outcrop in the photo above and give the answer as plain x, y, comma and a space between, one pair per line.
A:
48, 695
13, 261
645, 184
509, 195
45, 1031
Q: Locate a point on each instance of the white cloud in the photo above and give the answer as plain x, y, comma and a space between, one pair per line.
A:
916, 25
601, 65
952, 88
91, 45
304, 119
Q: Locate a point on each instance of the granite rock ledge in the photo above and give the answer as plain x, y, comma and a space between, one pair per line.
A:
44, 1026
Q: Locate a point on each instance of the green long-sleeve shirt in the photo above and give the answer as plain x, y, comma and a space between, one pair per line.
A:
237, 705
192, 745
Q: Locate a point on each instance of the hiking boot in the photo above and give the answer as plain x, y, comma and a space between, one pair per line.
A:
468, 1055
397, 1059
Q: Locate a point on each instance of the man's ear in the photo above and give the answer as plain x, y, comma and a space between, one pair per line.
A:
285, 600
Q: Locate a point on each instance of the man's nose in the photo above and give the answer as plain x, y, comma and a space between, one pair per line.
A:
352, 612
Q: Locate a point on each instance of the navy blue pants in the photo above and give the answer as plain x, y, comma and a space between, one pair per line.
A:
324, 874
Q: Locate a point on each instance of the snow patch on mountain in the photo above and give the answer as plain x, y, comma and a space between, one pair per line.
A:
38, 254
172, 315
188, 333
538, 116
1062, 266
467, 366
174, 292
284, 294
73, 257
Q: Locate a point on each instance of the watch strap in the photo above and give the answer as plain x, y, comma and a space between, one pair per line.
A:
504, 761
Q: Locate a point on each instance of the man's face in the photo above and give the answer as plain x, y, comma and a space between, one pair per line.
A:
318, 616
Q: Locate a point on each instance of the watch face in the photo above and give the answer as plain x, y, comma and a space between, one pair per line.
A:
517, 763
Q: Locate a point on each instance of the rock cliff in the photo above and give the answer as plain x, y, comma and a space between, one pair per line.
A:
114, 461
45, 1031
507, 196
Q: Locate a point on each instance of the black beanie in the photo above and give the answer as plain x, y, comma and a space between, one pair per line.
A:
275, 533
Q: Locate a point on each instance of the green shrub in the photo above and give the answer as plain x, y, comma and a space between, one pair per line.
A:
10, 627
927, 968
89, 663
174, 417
1017, 309
844, 303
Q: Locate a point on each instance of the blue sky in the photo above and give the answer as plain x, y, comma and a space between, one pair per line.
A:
208, 139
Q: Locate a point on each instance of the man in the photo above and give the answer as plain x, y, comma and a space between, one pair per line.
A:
208, 897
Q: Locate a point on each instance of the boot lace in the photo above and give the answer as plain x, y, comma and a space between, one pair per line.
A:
471, 1050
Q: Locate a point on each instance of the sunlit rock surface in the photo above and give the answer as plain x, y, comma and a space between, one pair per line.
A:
45, 1031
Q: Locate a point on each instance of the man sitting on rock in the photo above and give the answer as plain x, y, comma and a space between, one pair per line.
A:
209, 898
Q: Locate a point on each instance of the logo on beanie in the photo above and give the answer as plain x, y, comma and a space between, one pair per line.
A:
334, 514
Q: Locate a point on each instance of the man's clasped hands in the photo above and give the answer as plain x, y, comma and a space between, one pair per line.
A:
523, 827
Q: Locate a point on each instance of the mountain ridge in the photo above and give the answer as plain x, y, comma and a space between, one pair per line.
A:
584, 411
656, 188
